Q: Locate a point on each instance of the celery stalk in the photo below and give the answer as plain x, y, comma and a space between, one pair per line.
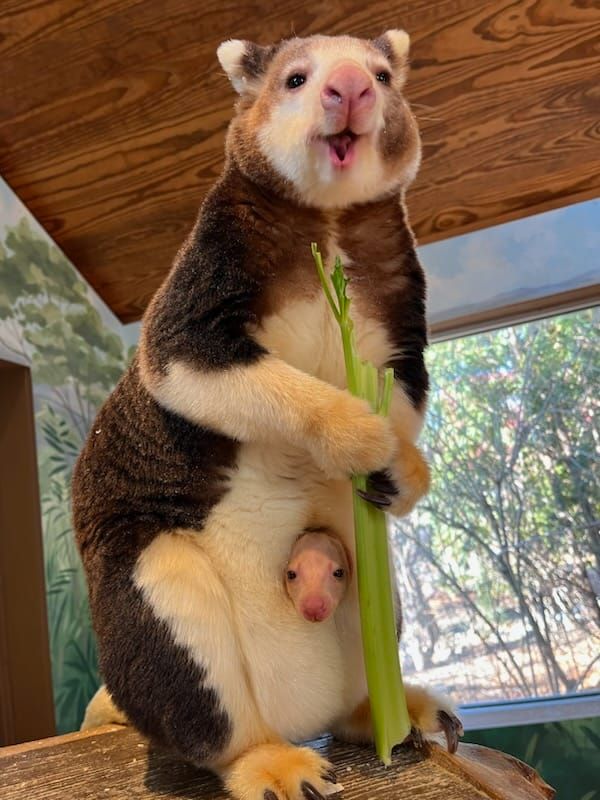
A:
391, 724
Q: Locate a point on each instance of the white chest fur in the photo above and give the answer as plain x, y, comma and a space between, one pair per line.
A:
297, 671
306, 335
303, 675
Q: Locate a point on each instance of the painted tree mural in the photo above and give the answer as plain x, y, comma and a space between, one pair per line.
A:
49, 320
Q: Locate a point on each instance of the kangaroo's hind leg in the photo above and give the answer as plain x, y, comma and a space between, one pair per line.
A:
181, 676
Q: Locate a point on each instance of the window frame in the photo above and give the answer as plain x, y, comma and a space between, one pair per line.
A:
534, 711
516, 314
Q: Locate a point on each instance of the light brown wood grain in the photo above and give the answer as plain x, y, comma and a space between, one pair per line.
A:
112, 114
109, 763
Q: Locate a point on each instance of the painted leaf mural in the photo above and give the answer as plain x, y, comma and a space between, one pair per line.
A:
52, 321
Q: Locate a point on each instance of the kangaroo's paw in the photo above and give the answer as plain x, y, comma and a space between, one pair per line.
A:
348, 437
432, 713
279, 772
398, 488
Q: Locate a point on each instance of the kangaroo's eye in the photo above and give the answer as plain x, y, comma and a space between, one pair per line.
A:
295, 80
339, 574
383, 76
291, 575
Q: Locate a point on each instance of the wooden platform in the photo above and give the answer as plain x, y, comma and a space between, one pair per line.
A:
114, 763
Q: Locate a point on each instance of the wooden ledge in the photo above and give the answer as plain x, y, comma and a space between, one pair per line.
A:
113, 763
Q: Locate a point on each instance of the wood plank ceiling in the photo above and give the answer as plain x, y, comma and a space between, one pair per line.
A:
112, 114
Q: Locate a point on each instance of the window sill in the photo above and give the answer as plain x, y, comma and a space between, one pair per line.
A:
479, 716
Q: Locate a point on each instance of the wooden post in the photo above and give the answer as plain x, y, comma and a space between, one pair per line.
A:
26, 703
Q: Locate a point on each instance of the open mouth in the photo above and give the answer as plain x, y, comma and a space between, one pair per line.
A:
342, 147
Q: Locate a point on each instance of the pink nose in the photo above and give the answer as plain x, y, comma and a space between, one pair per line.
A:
315, 609
348, 88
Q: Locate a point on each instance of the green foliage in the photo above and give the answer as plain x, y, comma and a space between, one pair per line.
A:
72, 643
47, 318
63, 445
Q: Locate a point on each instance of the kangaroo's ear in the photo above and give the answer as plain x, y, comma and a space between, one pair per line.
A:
395, 44
245, 63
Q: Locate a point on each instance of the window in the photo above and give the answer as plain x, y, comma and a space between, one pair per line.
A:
500, 564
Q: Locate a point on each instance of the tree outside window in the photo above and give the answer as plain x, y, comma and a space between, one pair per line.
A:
500, 564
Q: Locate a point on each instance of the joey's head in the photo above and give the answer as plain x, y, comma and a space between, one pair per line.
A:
317, 575
323, 119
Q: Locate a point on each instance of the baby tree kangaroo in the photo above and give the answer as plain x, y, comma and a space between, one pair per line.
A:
232, 430
317, 574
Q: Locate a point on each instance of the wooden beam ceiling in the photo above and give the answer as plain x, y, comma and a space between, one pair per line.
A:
112, 114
